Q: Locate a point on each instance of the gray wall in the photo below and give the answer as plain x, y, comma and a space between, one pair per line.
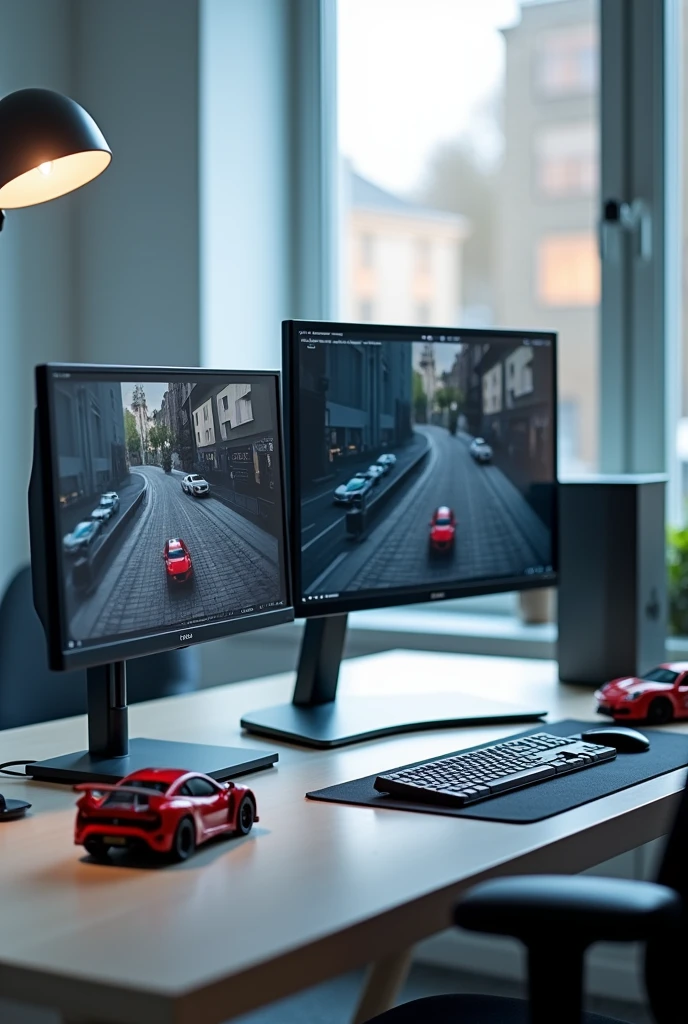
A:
36, 318
109, 274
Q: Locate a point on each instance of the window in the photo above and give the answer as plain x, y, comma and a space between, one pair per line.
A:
225, 403
367, 244
198, 787
567, 160
568, 270
567, 59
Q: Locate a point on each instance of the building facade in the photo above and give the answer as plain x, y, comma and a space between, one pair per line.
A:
90, 433
402, 260
548, 259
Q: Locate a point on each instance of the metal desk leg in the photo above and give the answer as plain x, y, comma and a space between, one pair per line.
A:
385, 978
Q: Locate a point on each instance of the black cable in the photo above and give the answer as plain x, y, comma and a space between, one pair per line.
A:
10, 764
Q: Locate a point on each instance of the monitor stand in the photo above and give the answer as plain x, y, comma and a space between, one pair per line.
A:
111, 756
318, 718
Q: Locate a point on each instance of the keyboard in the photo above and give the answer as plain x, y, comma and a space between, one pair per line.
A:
461, 779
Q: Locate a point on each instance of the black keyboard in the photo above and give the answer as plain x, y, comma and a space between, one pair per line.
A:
462, 779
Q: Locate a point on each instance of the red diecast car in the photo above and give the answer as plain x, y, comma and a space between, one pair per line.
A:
178, 565
658, 696
167, 810
442, 529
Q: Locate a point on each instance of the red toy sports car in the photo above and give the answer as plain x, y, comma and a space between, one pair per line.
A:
442, 529
178, 565
167, 810
656, 697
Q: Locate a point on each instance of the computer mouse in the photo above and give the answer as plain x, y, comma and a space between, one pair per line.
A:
624, 740
11, 809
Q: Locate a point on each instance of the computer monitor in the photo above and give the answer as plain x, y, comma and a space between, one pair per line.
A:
157, 521
421, 466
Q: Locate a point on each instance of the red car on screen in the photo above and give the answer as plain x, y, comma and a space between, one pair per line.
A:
659, 696
442, 530
178, 565
166, 810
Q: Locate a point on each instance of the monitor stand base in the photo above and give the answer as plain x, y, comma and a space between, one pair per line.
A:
219, 762
355, 719
318, 717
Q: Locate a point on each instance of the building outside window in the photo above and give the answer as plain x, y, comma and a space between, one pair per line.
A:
489, 149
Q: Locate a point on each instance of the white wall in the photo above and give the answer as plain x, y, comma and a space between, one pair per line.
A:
245, 255
36, 315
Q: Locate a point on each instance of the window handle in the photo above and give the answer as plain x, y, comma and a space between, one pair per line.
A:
634, 218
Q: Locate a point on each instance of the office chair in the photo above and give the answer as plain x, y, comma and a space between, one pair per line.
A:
557, 918
30, 692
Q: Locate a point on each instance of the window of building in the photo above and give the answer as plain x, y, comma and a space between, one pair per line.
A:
423, 314
567, 59
568, 269
567, 160
225, 403
367, 250
423, 256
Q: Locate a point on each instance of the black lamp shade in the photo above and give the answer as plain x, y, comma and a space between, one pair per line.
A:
49, 145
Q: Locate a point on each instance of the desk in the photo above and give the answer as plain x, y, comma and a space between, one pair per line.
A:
315, 890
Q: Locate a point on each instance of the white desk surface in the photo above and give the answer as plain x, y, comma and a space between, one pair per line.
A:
316, 889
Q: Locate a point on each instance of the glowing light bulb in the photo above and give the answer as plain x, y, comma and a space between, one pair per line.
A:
46, 168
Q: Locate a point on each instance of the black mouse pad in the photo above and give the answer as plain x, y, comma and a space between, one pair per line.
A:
668, 751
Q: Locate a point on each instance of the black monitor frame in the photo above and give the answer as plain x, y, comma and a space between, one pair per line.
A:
406, 595
45, 539
111, 755
315, 717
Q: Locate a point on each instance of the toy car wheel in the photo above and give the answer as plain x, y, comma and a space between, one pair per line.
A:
661, 710
97, 849
246, 816
184, 842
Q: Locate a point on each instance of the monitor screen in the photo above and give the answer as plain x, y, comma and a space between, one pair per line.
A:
422, 462
166, 489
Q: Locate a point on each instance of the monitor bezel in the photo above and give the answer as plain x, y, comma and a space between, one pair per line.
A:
45, 536
407, 595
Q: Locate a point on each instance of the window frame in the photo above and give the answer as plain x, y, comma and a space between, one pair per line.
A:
638, 76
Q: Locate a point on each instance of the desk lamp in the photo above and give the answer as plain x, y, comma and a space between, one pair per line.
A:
49, 146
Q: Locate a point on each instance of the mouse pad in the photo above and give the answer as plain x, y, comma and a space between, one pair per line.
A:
668, 751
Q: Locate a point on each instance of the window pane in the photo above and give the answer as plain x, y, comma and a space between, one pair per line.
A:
470, 168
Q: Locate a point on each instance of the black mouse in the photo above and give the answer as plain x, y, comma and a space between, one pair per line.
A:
624, 740
11, 809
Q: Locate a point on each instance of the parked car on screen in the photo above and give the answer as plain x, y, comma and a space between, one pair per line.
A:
481, 450
659, 696
178, 564
104, 510
387, 460
372, 473
82, 536
112, 496
442, 530
168, 811
194, 484
355, 490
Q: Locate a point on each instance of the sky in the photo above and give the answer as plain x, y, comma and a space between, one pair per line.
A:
411, 75
154, 393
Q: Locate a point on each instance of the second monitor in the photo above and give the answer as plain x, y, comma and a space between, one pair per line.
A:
422, 466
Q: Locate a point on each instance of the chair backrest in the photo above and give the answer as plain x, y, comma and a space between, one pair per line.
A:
30, 692
666, 958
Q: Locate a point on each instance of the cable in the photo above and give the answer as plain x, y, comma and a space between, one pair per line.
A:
10, 764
